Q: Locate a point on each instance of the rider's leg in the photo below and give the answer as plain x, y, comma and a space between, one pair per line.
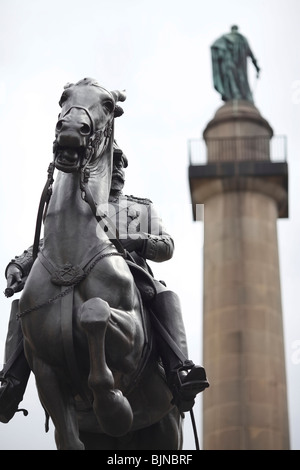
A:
15, 373
185, 378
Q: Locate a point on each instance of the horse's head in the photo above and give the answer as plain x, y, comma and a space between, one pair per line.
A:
85, 123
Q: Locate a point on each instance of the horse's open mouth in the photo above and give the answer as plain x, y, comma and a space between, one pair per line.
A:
69, 159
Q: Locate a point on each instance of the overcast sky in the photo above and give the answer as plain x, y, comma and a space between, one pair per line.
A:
159, 51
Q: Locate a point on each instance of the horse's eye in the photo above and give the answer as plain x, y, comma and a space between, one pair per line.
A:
109, 105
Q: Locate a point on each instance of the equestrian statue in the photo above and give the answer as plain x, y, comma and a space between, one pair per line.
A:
104, 339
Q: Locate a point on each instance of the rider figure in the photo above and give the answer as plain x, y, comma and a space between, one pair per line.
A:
184, 378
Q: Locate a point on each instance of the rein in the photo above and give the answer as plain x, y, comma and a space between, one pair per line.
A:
86, 194
44, 201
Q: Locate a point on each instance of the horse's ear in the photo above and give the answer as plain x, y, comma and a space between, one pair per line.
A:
119, 95
67, 85
118, 111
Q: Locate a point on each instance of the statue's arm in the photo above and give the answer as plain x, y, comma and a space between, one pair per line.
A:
22, 262
254, 60
218, 52
157, 245
142, 231
157, 248
256, 65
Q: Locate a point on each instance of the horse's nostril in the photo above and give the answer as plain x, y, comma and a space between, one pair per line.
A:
85, 129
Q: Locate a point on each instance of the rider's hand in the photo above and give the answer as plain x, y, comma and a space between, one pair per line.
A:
14, 275
132, 244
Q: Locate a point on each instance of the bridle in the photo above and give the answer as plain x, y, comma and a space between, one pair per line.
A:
91, 151
95, 138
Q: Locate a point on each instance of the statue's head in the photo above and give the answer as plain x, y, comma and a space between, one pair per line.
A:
85, 124
119, 163
234, 29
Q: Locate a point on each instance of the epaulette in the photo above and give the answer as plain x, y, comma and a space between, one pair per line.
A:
139, 200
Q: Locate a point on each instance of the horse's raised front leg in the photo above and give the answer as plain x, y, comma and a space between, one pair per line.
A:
111, 408
58, 402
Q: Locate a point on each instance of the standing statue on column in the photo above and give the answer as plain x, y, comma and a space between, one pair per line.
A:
229, 62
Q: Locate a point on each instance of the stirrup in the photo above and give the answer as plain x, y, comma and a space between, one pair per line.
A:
186, 387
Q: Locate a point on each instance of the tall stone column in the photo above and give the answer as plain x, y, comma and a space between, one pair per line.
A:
243, 193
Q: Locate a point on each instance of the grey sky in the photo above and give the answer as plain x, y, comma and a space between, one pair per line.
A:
158, 50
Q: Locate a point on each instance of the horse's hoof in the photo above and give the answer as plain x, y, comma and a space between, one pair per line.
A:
118, 418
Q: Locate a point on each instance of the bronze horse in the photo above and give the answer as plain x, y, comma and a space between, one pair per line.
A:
87, 337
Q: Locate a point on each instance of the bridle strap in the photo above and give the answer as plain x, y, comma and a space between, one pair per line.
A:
108, 227
45, 197
84, 109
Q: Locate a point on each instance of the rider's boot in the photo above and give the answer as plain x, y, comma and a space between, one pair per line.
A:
15, 373
185, 379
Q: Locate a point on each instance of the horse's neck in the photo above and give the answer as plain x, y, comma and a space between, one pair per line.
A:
70, 229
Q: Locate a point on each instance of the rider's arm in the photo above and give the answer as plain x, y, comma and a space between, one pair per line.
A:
24, 262
157, 245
